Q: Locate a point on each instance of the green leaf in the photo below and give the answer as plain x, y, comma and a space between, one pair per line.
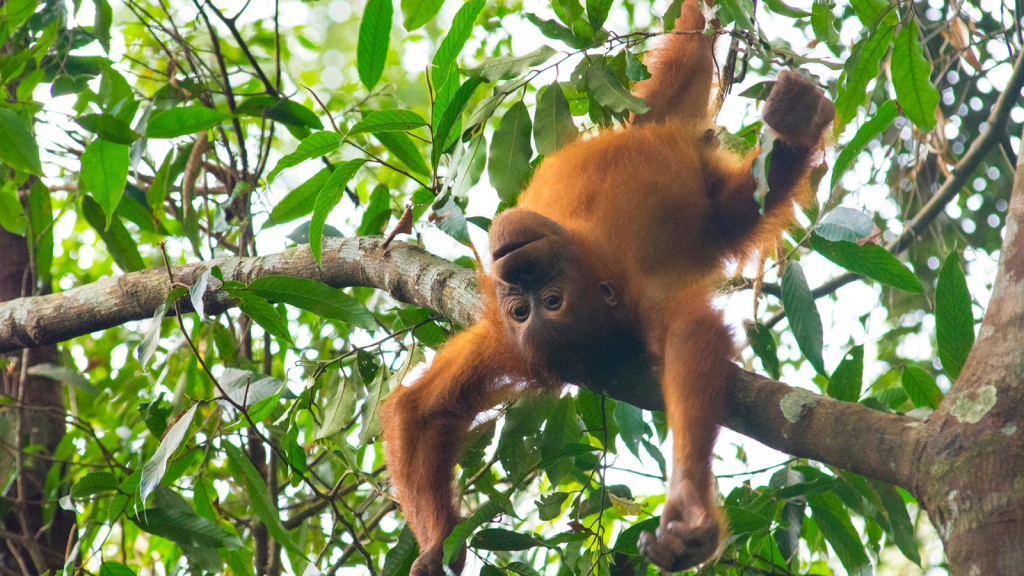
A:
312, 146
597, 12
869, 260
262, 409
378, 212
848, 379
834, 522
64, 374
823, 22
94, 483
107, 127
901, 528
549, 506
299, 201
158, 189
400, 557
869, 131
911, 77
744, 521
246, 474
508, 67
327, 199
522, 568
556, 31
20, 150
921, 387
416, 13
763, 343
281, 110
553, 126
870, 11
403, 148
12, 213
609, 92
104, 16
183, 121
780, 7
462, 28
388, 121
672, 13
104, 173
119, 241
562, 428
867, 53
452, 113
154, 468
262, 313
185, 528
314, 296
485, 513
803, 315
509, 164
115, 569
501, 540
954, 319
635, 69
374, 38
631, 426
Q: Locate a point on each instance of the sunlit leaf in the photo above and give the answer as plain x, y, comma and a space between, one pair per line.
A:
183, 121
374, 38
107, 127
299, 201
862, 68
262, 313
911, 77
327, 199
403, 148
416, 13
317, 297
388, 121
105, 173
921, 387
462, 28
312, 146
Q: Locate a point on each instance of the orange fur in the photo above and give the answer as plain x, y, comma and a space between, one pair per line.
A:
632, 227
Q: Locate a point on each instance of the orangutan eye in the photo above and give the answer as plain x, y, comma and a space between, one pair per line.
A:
521, 312
553, 302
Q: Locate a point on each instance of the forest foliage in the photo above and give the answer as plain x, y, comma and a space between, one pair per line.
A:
149, 134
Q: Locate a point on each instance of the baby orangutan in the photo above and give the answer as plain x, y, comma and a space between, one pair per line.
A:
614, 251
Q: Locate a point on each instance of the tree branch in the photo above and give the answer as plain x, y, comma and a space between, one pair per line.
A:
844, 434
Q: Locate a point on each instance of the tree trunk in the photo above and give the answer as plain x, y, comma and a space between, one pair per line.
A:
971, 469
44, 527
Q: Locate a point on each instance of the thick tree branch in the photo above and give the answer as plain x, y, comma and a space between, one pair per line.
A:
798, 422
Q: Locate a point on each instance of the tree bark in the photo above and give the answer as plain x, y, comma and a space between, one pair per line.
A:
970, 472
41, 423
